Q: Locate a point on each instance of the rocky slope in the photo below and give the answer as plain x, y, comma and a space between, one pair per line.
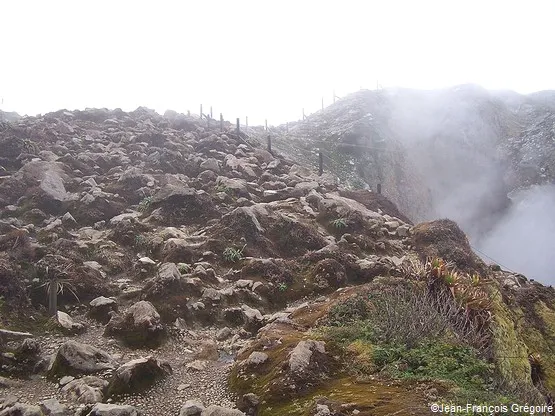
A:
198, 272
455, 153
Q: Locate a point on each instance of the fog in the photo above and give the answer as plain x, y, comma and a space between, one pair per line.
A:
523, 240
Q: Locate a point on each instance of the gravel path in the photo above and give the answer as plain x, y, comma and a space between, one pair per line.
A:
165, 397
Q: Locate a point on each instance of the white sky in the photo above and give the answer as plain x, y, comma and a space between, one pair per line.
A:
264, 59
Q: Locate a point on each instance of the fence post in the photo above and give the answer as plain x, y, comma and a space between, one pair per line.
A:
266, 124
221, 122
238, 126
53, 297
379, 189
210, 111
320, 163
269, 143
201, 111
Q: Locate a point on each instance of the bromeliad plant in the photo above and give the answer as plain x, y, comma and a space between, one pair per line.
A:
233, 255
339, 223
57, 282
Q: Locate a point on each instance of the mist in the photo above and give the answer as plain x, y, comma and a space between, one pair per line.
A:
523, 240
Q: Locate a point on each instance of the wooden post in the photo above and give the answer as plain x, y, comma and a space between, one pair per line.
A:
320, 163
238, 126
266, 124
221, 122
53, 297
269, 143
201, 111
287, 127
210, 111
379, 189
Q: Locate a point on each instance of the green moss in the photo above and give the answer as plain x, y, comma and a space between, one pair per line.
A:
509, 351
370, 398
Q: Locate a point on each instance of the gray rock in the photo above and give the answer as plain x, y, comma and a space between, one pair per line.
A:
299, 358
68, 325
211, 164
197, 365
74, 358
223, 334
52, 407
22, 409
257, 358
102, 409
101, 308
211, 294
139, 326
221, 411
88, 389
137, 375
191, 408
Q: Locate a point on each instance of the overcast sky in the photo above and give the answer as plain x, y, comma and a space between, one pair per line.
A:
264, 59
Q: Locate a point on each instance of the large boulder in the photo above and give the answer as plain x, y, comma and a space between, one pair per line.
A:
74, 358
137, 375
140, 325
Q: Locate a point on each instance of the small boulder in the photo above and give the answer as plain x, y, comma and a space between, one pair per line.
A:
191, 408
68, 325
256, 358
101, 307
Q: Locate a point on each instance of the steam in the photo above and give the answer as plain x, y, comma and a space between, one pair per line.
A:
524, 239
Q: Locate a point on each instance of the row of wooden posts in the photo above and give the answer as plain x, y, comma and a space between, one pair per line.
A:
269, 138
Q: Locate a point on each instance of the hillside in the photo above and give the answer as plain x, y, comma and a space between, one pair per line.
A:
200, 274
463, 153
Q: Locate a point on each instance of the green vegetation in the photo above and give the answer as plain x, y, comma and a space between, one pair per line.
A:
282, 287
233, 255
145, 204
339, 223
183, 268
223, 188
